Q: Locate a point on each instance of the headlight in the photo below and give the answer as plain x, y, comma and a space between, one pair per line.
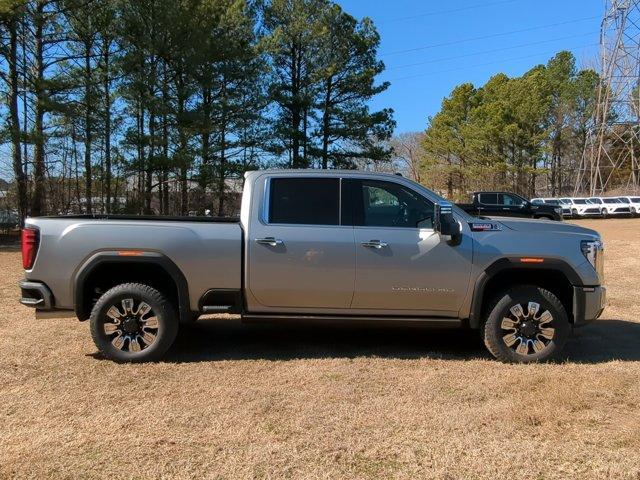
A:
558, 209
593, 250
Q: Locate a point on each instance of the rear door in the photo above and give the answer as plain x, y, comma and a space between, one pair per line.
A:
299, 254
402, 263
488, 203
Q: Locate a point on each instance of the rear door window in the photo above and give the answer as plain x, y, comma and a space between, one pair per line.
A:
488, 198
304, 201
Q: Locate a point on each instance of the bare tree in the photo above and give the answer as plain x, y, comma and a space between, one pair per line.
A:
408, 153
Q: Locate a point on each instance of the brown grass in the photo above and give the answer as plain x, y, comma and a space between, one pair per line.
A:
239, 401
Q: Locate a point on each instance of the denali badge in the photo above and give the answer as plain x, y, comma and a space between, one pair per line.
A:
423, 289
485, 227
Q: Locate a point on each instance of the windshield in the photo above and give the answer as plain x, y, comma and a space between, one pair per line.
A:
565, 201
580, 201
624, 200
612, 200
635, 199
552, 201
595, 200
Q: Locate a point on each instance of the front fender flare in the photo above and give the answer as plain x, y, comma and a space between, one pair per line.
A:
509, 263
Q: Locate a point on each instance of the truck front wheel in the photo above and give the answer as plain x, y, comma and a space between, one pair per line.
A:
133, 323
526, 324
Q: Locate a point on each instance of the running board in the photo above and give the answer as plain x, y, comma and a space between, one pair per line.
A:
434, 322
216, 309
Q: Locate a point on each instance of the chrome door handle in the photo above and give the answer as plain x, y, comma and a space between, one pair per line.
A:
272, 242
375, 244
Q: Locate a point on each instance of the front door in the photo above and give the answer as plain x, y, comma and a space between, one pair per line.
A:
299, 254
402, 263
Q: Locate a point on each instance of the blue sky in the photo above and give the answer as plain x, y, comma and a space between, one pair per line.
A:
428, 52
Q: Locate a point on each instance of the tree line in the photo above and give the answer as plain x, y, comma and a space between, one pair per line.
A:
158, 106
524, 134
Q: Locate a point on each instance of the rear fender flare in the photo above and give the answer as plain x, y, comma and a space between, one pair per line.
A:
115, 257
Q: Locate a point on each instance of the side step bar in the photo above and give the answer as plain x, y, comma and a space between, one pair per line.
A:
217, 308
433, 322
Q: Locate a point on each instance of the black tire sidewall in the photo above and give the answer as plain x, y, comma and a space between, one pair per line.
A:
163, 310
492, 332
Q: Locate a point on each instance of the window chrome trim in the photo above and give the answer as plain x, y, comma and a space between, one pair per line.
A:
266, 200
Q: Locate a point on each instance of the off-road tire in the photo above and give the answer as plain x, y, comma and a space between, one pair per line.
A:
162, 309
493, 334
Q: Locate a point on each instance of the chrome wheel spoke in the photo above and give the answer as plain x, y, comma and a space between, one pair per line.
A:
508, 324
134, 346
533, 309
110, 328
546, 317
148, 338
517, 311
151, 322
127, 304
538, 346
118, 341
547, 333
114, 314
523, 348
510, 339
143, 309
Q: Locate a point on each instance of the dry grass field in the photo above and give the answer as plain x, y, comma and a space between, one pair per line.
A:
258, 401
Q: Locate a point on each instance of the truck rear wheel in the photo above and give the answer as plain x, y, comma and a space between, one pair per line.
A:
133, 323
526, 324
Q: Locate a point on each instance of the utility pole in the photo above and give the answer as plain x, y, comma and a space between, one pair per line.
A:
612, 149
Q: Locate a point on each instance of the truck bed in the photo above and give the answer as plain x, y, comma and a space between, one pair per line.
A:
206, 249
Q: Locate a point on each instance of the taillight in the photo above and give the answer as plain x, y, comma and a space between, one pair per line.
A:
30, 237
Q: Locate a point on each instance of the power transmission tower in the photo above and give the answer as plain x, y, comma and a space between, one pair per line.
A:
611, 152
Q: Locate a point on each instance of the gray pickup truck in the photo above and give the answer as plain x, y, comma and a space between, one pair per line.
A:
337, 245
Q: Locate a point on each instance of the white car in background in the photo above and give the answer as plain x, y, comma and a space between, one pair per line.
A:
611, 206
633, 202
580, 207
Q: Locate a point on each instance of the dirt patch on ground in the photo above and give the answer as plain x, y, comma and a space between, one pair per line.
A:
242, 401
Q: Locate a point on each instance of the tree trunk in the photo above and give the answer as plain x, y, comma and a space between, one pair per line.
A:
88, 127
14, 124
37, 205
326, 122
107, 126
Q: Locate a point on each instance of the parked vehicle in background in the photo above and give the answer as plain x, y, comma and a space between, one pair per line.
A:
333, 245
581, 207
506, 204
611, 206
566, 208
8, 220
634, 204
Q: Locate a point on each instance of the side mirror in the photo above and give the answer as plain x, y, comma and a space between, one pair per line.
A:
446, 223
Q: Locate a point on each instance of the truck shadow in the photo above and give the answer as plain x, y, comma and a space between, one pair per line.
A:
228, 339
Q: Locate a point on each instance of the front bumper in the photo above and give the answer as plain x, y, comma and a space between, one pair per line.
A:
588, 303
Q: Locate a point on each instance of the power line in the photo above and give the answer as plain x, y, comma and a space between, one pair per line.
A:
488, 63
445, 12
495, 50
483, 37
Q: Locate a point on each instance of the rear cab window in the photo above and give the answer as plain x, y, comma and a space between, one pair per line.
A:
488, 198
304, 201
